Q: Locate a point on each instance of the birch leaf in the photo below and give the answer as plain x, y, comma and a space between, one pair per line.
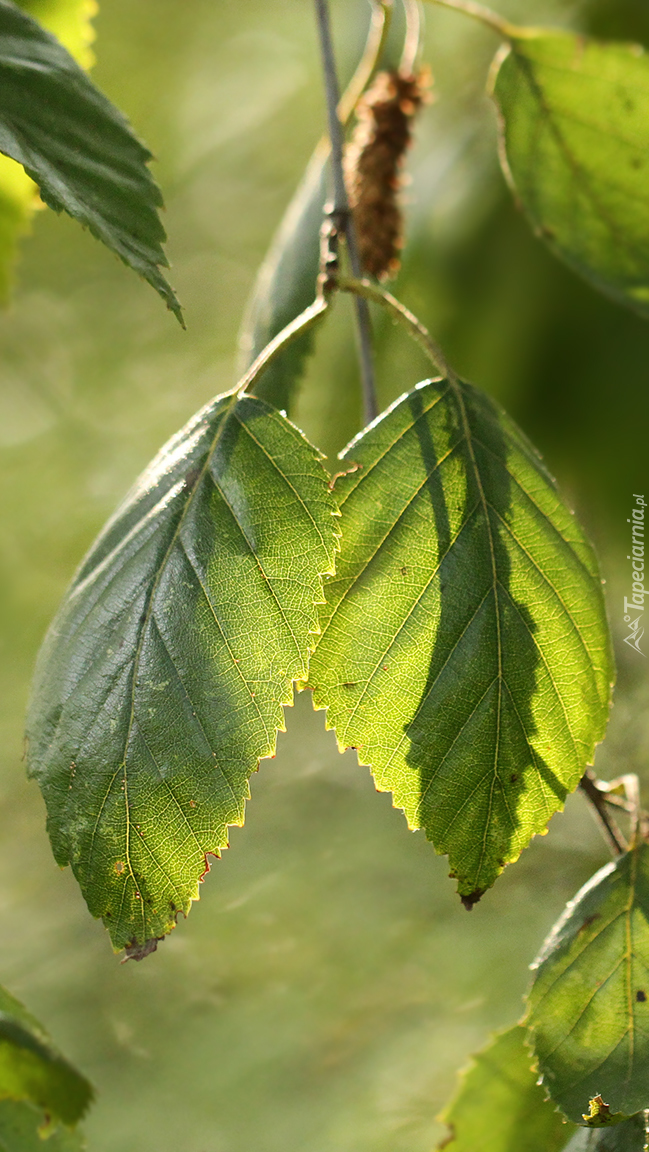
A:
575, 144
161, 683
464, 648
589, 1004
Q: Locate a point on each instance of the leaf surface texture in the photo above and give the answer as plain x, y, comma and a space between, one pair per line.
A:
77, 147
464, 648
499, 1107
575, 137
161, 683
589, 1004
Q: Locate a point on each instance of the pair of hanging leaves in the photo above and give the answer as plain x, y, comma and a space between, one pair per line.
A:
585, 1036
462, 647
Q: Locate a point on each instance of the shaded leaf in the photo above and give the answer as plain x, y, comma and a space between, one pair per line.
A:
161, 683
628, 1136
285, 286
77, 147
21, 1131
32, 1069
575, 139
589, 1004
464, 648
499, 1107
70, 21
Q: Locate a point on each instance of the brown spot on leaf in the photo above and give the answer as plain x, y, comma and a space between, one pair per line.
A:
640, 996
589, 920
119, 867
135, 951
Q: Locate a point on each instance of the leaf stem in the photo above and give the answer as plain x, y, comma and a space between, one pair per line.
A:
412, 38
301, 324
376, 37
480, 12
597, 797
340, 213
403, 316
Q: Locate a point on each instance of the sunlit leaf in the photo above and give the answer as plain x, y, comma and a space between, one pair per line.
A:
70, 21
589, 1004
77, 147
32, 1070
464, 648
161, 683
499, 1107
285, 286
575, 137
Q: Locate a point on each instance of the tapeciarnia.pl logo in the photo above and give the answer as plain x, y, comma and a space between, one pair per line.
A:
634, 606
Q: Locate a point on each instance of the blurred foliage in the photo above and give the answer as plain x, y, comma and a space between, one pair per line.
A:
70, 20
328, 985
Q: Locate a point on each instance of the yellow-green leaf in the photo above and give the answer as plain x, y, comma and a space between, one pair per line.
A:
575, 143
589, 1004
499, 1106
464, 648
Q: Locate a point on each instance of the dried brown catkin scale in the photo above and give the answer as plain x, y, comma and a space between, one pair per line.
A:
373, 162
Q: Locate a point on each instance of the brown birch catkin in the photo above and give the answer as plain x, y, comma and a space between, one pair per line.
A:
373, 163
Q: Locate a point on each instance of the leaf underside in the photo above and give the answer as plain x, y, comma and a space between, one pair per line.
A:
628, 1136
464, 648
285, 286
499, 1107
33, 1071
161, 683
575, 138
77, 147
589, 1004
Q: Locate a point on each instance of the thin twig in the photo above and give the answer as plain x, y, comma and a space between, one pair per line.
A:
588, 785
301, 324
340, 212
411, 40
404, 317
484, 15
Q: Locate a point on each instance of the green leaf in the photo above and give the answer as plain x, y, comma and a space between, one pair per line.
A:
464, 648
629, 1136
70, 21
161, 683
77, 147
499, 1107
589, 1004
575, 142
32, 1069
285, 286
21, 1130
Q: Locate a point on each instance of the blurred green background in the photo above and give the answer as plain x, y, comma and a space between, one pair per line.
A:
325, 989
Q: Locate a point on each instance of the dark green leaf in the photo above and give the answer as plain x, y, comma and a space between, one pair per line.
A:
21, 1130
464, 648
575, 135
70, 20
31, 1069
589, 1004
629, 1136
285, 286
499, 1107
161, 683
77, 147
